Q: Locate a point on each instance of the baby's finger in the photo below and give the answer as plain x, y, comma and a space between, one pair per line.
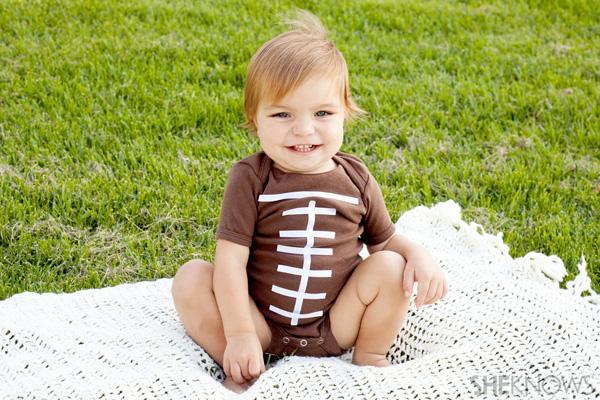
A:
245, 370
408, 279
431, 293
438, 293
262, 364
236, 373
422, 292
445, 288
227, 367
433, 289
254, 368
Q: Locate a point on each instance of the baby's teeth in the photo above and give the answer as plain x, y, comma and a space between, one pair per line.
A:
303, 147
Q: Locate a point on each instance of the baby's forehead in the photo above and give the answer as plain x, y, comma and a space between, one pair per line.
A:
316, 99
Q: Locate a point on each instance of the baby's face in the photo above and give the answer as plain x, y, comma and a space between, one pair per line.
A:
303, 131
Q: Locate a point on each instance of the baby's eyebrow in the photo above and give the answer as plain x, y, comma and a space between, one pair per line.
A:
327, 105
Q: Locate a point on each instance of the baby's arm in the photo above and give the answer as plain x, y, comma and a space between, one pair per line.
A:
243, 357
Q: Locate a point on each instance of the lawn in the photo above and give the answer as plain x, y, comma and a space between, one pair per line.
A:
119, 121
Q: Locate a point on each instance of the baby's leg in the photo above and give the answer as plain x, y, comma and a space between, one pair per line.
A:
197, 308
371, 308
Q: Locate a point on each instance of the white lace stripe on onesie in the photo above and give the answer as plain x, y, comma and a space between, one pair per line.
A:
307, 251
302, 195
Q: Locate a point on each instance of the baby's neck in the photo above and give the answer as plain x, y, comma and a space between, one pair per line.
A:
330, 166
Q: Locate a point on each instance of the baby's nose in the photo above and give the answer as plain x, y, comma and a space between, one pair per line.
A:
304, 128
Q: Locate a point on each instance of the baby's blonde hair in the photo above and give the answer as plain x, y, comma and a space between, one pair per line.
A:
286, 61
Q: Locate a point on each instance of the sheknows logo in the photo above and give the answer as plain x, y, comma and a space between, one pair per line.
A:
515, 385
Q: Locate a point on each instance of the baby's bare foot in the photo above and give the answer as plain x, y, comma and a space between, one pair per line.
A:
232, 385
375, 360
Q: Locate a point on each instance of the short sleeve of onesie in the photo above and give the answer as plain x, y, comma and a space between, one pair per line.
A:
378, 225
238, 210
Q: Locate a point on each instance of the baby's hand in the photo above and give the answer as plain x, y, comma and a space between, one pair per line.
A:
422, 268
243, 358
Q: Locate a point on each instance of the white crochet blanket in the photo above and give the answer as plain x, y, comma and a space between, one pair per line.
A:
505, 330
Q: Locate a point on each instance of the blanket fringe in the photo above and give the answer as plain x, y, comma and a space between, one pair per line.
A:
548, 270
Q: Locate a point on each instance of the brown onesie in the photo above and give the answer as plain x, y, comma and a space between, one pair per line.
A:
304, 232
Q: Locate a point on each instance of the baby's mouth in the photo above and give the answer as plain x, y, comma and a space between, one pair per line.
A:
304, 148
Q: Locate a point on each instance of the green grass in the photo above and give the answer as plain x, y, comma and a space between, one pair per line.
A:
119, 122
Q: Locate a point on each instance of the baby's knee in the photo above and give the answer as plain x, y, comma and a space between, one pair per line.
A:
388, 266
381, 271
192, 279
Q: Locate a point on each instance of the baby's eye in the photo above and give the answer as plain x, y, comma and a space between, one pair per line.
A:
323, 115
279, 114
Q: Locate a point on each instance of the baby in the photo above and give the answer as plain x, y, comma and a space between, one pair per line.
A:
287, 275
